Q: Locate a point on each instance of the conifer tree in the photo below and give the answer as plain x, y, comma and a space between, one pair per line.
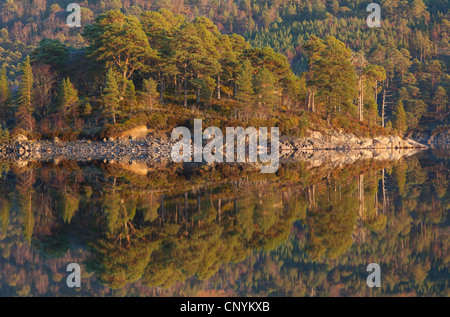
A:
440, 103
335, 77
110, 96
149, 93
400, 119
5, 93
130, 95
67, 98
87, 109
264, 83
25, 110
245, 83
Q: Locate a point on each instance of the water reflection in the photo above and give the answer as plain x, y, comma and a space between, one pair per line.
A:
225, 230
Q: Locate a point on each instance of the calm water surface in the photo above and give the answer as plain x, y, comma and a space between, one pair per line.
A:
174, 230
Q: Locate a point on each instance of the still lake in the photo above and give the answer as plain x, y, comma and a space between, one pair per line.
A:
226, 230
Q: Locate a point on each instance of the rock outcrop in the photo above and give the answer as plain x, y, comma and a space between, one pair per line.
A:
440, 138
157, 149
344, 141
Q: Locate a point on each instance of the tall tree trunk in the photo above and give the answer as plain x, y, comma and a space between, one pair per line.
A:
313, 100
383, 109
384, 193
218, 87
309, 99
161, 91
361, 99
185, 87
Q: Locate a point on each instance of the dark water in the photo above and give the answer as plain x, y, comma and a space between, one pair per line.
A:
173, 230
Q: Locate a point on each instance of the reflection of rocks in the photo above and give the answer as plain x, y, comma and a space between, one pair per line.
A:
343, 146
335, 158
123, 151
343, 141
440, 138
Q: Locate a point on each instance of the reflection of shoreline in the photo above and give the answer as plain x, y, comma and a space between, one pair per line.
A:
157, 149
144, 151
142, 165
339, 158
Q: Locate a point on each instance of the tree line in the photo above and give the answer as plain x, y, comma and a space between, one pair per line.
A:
396, 84
132, 65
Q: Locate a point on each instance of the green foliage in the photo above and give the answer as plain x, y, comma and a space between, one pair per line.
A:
25, 99
119, 43
193, 63
4, 135
5, 92
245, 83
149, 93
130, 96
265, 90
67, 98
110, 96
440, 103
24, 113
400, 119
51, 52
332, 74
87, 109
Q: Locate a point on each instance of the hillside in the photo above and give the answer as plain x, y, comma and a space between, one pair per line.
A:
396, 76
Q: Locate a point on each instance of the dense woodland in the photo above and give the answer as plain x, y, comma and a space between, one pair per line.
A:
293, 64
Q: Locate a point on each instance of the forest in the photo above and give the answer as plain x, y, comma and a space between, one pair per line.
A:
291, 64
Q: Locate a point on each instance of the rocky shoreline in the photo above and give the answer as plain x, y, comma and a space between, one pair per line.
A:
347, 141
435, 139
159, 149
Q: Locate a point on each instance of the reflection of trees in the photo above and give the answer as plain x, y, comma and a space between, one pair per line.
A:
332, 222
140, 233
25, 181
407, 237
192, 236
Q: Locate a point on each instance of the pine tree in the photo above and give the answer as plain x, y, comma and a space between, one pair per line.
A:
245, 83
332, 74
87, 109
25, 101
119, 42
264, 83
440, 103
111, 95
67, 98
5, 93
188, 54
149, 93
26, 86
372, 112
130, 95
400, 119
